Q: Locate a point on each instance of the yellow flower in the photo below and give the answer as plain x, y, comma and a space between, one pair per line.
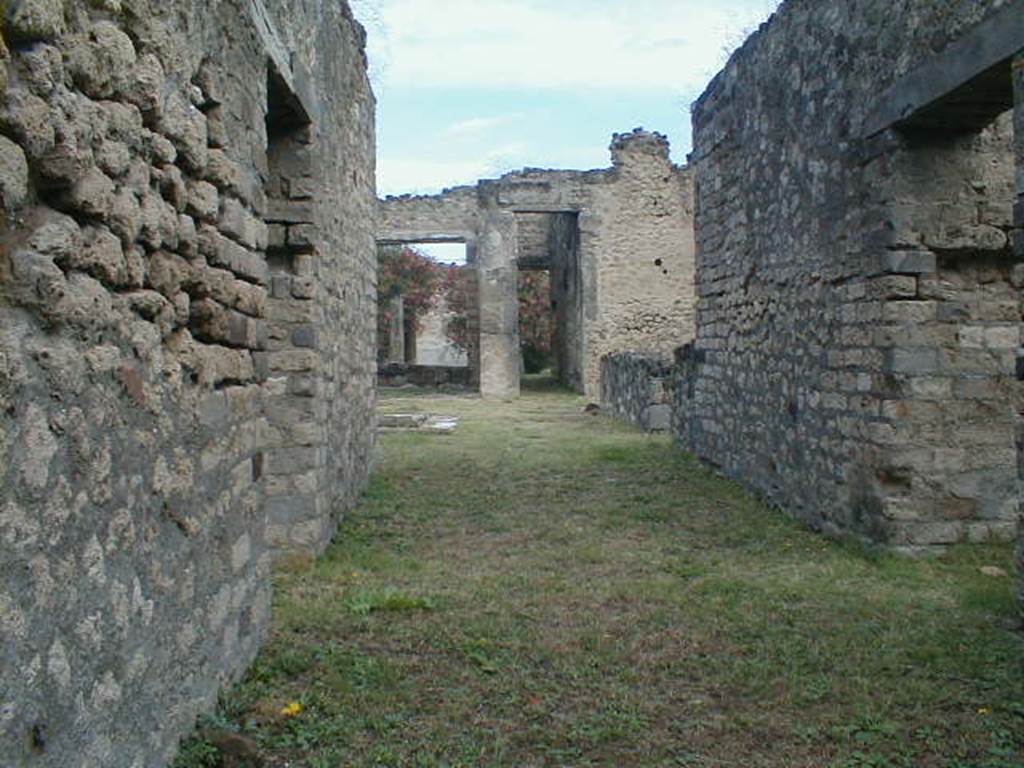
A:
292, 709
985, 711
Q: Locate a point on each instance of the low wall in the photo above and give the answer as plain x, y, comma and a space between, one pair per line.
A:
637, 388
398, 375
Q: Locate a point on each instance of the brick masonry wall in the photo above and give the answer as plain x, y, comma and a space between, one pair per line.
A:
857, 310
138, 442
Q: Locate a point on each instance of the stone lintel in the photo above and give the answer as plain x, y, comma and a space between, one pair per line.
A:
395, 237
962, 88
297, 81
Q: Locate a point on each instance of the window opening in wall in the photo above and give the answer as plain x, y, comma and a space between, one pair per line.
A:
425, 313
289, 181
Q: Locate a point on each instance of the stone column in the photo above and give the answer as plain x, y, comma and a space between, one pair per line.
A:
499, 305
1018, 250
473, 312
396, 331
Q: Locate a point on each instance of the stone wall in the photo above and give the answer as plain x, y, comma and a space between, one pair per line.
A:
859, 310
186, 349
638, 256
567, 298
619, 242
404, 374
638, 389
1018, 250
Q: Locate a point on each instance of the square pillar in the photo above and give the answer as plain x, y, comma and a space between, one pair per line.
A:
396, 331
498, 278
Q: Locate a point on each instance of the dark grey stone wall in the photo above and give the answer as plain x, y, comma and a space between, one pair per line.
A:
858, 310
567, 298
1018, 249
152, 339
638, 389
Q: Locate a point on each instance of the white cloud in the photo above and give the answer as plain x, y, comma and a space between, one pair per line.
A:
478, 125
675, 44
444, 253
403, 175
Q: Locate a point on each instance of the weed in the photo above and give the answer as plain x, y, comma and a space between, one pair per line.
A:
365, 601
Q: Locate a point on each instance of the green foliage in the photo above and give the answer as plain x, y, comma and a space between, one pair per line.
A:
404, 271
197, 753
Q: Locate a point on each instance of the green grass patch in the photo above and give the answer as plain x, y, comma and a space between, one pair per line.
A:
546, 587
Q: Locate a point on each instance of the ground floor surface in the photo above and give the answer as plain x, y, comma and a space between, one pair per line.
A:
546, 587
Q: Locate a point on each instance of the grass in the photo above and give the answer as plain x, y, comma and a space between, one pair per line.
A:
550, 588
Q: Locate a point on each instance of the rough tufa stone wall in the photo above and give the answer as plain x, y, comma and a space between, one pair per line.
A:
619, 243
638, 389
859, 309
1018, 246
186, 349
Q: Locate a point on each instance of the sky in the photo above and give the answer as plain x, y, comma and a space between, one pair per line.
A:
471, 89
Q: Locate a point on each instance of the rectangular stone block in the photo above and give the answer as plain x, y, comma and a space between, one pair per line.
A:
913, 362
241, 261
210, 321
304, 288
281, 286
304, 336
657, 418
282, 510
952, 312
914, 312
239, 223
302, 235
287, 461
277, 236
294, 361
1004, 337
930, 534
931, 388
290, 211
909, 262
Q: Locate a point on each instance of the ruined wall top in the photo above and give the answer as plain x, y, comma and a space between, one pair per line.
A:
826, 44
638, 142
409, 218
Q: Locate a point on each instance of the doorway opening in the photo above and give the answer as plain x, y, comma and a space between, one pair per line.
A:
550, 297
426, 313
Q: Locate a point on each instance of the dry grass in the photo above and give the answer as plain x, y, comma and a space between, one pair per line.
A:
548, 588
